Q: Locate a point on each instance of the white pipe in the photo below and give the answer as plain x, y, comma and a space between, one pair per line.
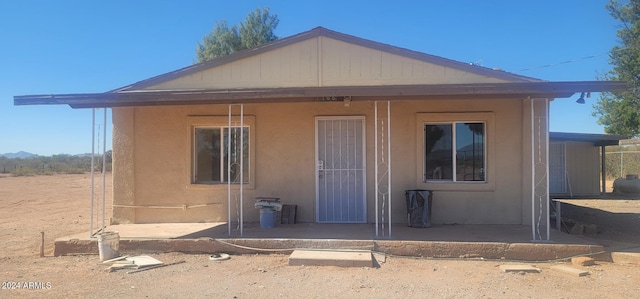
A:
93, 150
375, 115
533, 174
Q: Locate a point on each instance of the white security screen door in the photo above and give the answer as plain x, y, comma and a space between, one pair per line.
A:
340, 170
557, 168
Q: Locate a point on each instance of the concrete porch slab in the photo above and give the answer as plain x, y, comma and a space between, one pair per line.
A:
156, 231
510, 242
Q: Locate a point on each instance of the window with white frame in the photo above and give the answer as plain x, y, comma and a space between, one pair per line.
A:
213, 157
455, 152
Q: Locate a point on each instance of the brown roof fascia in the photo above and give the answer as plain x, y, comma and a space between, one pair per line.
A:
271, 95
321, 31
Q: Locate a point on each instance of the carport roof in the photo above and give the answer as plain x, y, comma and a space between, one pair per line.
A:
596, 139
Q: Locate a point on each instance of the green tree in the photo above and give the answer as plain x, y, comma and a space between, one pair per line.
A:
257, 29
620, 112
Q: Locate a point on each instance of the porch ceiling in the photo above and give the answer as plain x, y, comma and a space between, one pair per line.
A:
479, 91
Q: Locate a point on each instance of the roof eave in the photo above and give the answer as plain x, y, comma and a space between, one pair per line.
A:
595, 139
306, 94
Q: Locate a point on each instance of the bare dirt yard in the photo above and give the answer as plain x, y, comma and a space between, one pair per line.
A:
59, 205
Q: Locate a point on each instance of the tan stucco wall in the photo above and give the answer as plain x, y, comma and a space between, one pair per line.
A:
152, 161
123, 164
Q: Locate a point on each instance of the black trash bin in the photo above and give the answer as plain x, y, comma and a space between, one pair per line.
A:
419, 207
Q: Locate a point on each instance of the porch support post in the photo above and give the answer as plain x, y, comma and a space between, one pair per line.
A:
546, 154
382, 168
229, 173
93, 150
375, 126
603, 168
533, 173
104, 166
537, 161
241, 169
389, 161
230, 150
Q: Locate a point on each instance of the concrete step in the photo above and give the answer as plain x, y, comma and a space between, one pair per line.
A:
350, 258
626, 257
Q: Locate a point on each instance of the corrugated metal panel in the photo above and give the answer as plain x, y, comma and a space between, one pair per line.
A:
583, 168
557, 169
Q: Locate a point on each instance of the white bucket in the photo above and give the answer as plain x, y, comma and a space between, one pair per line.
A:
108, 245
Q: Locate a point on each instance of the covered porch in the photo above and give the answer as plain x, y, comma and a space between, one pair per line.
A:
510, 242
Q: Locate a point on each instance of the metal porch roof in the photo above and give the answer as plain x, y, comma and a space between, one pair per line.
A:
480, 91
596, 139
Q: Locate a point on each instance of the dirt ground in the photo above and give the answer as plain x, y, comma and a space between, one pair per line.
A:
59, 205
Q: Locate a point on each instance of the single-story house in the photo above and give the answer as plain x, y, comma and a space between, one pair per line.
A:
576, 163
338, 125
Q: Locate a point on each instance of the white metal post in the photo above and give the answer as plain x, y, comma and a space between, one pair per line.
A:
229, 173
104, 168
389, 161
546, 141
384, 158
231, 126
241, 169
375, 128
533, 174
93, 150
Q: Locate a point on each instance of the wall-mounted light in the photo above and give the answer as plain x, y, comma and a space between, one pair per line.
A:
347, 101
581, 99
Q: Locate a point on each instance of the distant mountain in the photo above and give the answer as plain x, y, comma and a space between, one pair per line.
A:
20, 154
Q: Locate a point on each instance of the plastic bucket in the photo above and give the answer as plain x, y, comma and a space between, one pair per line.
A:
108, 245
267, 218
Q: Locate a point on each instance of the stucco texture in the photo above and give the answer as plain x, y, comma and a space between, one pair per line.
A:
153, 149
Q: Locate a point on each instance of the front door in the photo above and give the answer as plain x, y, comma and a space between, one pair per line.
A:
340, 170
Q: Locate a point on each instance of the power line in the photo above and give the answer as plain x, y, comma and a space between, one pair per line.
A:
573, 60
563, 62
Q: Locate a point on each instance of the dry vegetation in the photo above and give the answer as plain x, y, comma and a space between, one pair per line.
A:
59, 205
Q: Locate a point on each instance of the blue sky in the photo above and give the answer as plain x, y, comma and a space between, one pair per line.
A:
49, 47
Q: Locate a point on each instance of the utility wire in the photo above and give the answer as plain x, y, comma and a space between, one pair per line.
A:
563, 62
572, 60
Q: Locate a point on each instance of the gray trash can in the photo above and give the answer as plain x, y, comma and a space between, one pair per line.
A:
419, 207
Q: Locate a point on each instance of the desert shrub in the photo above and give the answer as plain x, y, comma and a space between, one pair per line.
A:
49, 165
23, 172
